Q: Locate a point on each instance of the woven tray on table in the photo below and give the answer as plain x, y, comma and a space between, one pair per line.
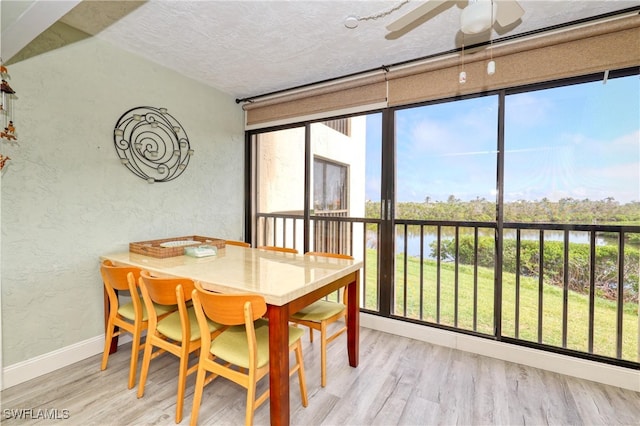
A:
160, 248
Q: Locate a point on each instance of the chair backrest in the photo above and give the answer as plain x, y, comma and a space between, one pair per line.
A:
237, 243
324, 254
121, 278
282, 249
167, 290
335, 256
116, 276
229, 309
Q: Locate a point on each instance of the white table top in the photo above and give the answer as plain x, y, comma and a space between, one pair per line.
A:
279, 277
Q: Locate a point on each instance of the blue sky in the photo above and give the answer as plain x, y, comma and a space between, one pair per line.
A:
580, 141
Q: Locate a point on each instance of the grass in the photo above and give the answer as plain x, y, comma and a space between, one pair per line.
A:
407, 303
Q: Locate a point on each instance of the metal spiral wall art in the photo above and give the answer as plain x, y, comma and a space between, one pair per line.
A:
152, 144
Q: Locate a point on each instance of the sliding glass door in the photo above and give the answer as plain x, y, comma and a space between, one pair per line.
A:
445, 207
280, 190
317, 188
572, 217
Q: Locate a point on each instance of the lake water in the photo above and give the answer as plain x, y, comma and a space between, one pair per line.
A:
413, 242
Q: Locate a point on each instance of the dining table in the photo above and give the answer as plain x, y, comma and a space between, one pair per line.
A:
287, 281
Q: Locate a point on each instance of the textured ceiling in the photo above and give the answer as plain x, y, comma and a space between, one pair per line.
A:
247, 48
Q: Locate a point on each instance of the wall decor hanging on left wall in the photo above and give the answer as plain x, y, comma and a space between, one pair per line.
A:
152, 144
7, 126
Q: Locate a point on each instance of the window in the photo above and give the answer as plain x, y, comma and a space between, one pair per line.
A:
514, 215
330, 186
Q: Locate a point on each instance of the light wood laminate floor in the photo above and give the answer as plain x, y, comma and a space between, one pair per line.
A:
399, 381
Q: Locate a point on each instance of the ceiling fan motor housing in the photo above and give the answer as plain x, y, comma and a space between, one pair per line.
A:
478, 16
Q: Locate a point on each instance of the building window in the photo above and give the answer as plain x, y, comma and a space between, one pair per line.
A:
330, 186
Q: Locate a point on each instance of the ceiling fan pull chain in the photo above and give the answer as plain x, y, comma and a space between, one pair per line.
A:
491, 66
462, 78
385, 13
351, 21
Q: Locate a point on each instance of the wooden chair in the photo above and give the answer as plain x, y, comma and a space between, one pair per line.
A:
320, 314
244, 345
282, 249
177, 333
130, 317
237, 243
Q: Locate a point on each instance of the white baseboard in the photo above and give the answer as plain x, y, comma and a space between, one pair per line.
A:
626, 378
30, 369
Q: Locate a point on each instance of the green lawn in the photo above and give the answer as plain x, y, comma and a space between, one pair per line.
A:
578, 307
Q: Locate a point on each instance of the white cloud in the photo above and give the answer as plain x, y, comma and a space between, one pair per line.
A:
527, 110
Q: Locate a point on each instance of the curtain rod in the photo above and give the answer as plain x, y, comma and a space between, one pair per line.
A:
386, 68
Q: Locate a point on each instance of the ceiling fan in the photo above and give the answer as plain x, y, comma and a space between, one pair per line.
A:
477, 17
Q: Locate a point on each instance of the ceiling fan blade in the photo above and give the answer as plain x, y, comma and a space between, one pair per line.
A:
508, 12
416, 14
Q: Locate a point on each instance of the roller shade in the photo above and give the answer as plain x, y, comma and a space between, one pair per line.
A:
570, 52
580, 51
363, 91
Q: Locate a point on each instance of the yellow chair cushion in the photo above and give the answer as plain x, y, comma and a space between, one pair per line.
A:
170, 326
127, 311
231, 345
319, 311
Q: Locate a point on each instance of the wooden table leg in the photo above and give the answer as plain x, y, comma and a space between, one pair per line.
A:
353, 320
279, 363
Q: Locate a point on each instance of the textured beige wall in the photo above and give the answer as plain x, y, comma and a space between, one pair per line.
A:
66, 199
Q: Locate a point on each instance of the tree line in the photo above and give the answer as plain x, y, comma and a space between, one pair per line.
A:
566, 210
